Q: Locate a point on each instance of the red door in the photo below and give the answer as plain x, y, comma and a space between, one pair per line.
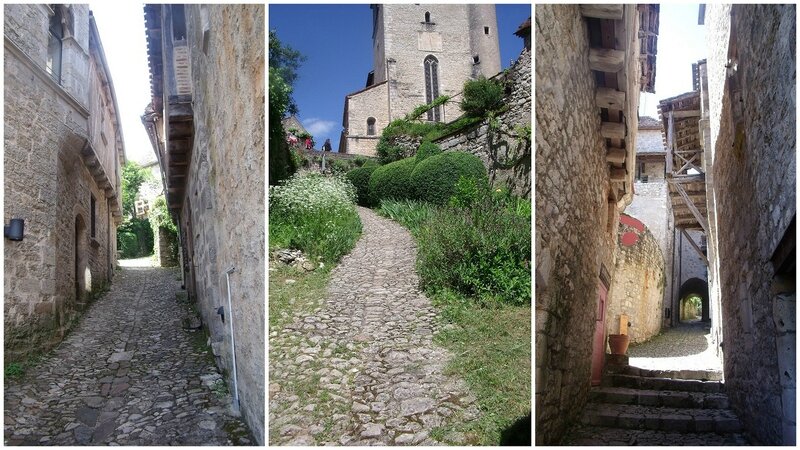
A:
599, 349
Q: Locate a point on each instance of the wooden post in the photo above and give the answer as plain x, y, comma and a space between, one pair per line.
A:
670, 138
623, 324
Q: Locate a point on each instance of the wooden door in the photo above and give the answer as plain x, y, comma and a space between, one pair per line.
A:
599, 348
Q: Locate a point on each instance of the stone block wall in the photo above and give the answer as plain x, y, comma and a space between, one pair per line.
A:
573, 236
504, 153
48, 185
225, 189
372, 102
165, 241
638, 287
691, 264
649, 141
754, 160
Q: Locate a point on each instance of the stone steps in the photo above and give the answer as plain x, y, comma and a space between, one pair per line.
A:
594, 435
661, 384
683, 420
647, 397
702, 375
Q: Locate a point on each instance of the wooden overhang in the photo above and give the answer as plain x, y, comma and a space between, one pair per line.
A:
614, 32
173, 111
680, 116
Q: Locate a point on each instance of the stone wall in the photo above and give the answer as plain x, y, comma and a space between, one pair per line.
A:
164, 245
649, 141
638, 287
372, 102
225, 189
754, 160
575, 236
691, 264
504, 152
48, 185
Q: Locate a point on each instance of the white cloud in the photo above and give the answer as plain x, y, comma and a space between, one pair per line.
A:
317, 127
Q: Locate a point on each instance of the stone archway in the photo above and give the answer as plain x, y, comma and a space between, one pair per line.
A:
82, 279
694, 287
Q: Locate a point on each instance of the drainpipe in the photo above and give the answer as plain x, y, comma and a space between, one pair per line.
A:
233, 342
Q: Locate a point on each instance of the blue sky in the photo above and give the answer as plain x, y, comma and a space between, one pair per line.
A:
337, 43
681, 42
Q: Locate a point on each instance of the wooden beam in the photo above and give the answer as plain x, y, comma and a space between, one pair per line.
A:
700, 219
684, 114
615, 155
695, 246
611, 130
598, 11
610, 98
606, 60
670, 140
617, 174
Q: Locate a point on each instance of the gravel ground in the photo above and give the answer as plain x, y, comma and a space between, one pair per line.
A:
687, 346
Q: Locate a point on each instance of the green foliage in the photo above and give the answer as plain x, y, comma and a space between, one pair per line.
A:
422, 109
315, 214
467, 191
284, 62
388, 152
481, 96
392, 181
434, 179
160, 218
281, 164
360, 179
14, 370
483, 252
135, 238
409, 213
427, 149
133, 176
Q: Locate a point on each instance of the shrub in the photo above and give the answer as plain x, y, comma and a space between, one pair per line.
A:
467, 191
427, 149
127, 244
411, 214
481, 96
360, 179
315, 214
482, 252
392, 181
389, 151
434, 179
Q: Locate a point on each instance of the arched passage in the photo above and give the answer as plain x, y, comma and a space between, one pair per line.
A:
690, 290
82, 272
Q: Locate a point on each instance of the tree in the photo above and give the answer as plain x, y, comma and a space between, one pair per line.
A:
283, 65
134, 236
133, 175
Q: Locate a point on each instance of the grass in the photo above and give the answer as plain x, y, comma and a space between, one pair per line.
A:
288, 299
411, 214
492, 348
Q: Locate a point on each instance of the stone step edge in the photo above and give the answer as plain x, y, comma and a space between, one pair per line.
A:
614, 416
689, 434
666, 398
684, 374
670, 384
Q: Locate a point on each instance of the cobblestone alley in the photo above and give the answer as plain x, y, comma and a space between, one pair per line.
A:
128, 374
363, 369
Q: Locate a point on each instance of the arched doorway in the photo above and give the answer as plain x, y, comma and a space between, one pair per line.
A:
693, 301
82, 273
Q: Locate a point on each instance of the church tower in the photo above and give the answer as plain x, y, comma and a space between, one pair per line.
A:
419, 53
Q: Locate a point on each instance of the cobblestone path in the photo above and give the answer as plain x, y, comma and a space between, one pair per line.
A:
362, 369
685, 347
128, 374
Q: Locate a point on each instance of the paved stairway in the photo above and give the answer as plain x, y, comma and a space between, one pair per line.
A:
642, 407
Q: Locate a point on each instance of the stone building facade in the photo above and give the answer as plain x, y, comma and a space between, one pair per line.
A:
206, 124
637, 290
751, 75
584, 178
419, 53
63, 151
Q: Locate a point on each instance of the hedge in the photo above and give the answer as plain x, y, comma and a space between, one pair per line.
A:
392, 181
434, 179
360, 179
427, 149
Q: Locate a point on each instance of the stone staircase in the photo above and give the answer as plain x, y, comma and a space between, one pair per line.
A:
635, 406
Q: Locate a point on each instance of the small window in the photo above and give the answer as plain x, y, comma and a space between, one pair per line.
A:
93, 215
371, 126
476, 59
485, 30
427, 17
178, 23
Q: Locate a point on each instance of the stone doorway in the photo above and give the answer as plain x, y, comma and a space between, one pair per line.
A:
82, 272
693, 301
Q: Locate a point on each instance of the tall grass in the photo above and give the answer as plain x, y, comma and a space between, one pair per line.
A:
315, 214
409, 213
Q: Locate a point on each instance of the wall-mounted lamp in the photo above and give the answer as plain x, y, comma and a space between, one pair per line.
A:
15, 230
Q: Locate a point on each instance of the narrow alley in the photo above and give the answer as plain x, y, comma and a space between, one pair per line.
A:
128, 374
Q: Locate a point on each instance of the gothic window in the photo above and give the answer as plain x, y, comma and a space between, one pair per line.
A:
432, 86
427, 17
371, 126
54, 44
